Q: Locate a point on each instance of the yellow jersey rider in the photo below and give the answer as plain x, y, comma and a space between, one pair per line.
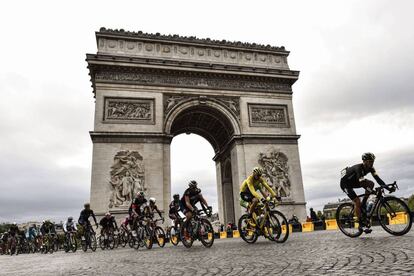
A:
248, 190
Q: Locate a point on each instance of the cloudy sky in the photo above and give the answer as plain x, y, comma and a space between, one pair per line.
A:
355, 92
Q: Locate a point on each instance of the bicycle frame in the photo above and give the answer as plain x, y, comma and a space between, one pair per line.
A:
379, 198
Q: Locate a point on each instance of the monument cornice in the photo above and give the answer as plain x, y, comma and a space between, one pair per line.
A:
104, 59
129, 137
158, 75
246, 139
121, 33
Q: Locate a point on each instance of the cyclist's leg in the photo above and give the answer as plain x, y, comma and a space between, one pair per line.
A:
188, 215
349, 190
368, 185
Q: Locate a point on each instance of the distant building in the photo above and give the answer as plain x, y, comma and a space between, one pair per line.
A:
329, 210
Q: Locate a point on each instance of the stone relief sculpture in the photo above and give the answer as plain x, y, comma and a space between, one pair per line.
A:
232, 104
268, 115
127, 110
173, 101
193, 81
276, 171
127, 178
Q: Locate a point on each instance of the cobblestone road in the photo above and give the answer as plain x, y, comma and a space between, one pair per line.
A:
316, 253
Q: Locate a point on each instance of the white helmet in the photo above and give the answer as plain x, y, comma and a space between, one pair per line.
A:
152, 199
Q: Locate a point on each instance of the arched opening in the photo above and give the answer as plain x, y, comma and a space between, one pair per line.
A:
218, 128
191, 158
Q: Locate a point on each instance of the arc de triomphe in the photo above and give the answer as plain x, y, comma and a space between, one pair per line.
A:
150, 87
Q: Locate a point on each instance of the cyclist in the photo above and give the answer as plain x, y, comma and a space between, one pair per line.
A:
13, 235
124, 224
108, 224
151, 208
137, 207
249, 187
47, 228
85, 214
4, 242
353, 177
190, 198
174, 209
69, 226
31, 232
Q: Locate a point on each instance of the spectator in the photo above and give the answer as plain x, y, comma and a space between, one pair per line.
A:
313, 215
294, 220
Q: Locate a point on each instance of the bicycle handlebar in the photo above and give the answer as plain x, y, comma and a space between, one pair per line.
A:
393, 186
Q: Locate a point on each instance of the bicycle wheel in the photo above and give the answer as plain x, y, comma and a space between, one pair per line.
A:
206, 233
84, 241
93, 244
247, 231
73, 243
186, 238
66, 245
398, 214
101, 241
123, 239
140, 237
147, 238
174, 236
278, 227
346, 221
159, 236
111, 241
117, 240
131, 240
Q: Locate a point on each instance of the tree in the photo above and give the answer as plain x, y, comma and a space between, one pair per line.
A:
411, 202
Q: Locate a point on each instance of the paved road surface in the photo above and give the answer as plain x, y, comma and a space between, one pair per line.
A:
316, 253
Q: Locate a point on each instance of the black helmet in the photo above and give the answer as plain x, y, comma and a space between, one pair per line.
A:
176, 196
87, 205
368, 156
192, 184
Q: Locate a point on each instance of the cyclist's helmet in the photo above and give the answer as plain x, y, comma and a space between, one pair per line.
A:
70, 219
107, 214
368, 156
176, 197
152, 200
87, 205
192, 184
141, 193
258, 171
14, 223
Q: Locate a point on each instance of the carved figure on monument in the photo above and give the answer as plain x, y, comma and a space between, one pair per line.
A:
232, 104
121, 110
171, 102
127, 178
276, 171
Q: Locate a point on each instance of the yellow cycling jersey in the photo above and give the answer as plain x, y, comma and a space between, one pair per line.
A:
256, 184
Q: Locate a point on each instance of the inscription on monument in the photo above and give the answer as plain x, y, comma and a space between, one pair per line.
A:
125, 110
127, 178
276, 171
268, 115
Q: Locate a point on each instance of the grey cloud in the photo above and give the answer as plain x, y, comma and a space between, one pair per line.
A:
32, 191
366, 66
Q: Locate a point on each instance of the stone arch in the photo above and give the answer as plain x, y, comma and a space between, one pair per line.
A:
202, 104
